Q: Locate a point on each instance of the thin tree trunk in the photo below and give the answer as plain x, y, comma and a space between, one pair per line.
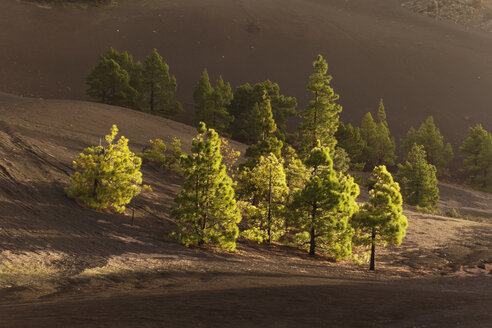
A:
373, 250
270, 206
151, 97
312, 242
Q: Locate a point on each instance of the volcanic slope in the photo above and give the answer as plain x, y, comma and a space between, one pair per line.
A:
375, 48
64, 265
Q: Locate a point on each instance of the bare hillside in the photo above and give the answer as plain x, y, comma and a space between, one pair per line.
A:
375, 48
64, 265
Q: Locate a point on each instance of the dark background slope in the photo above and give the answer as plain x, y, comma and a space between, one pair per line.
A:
374, 49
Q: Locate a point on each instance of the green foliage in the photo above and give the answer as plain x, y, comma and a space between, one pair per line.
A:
379, 145
270, 145
322, 208
381, 220
350, 139
245, 108
107, 177
202, 93
264, 191
478, 150
206, 210
160, 86
211, 103
109, 83
429, 136
135, 95
158, 152
418, 179
321, 114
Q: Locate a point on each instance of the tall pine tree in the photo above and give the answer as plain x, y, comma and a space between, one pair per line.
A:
381, 220
205, 210
321, 114
160, 86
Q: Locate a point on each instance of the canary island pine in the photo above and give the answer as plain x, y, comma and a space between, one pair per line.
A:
205, 209
108, 176
322, 209
381, 220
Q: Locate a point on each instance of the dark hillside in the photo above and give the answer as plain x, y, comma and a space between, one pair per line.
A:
375, 48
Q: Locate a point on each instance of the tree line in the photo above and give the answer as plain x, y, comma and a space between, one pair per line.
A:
258, 114
299, 189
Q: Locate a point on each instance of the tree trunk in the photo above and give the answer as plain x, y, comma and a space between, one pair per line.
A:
151, 102
270, 206
373, 250
312, 242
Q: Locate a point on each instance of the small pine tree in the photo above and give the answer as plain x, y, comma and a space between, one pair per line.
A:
167, 157
478, 150
418, 179
205, 210
160, 86
107, 177
109, 83
429, 136
264, 190
321, 210
321, 114
381, 220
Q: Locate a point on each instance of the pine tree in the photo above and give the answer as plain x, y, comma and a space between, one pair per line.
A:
418, 179
429, 136
321, 114
321, 210
381, 220
136, 94
212, 104
350, 139
386, 144
161, 86
107, 177
379, 145
245, 102
478, 148
265, 192
205, 209
202, 93
109, 83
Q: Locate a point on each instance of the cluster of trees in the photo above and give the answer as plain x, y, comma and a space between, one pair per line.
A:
118, 80
285, 186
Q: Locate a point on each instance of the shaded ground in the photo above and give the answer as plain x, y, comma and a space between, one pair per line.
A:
375, 49
64, 265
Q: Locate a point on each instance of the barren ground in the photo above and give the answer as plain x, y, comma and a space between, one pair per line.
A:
64, 265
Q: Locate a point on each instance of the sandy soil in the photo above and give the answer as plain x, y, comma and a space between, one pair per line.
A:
64, 265
375, 49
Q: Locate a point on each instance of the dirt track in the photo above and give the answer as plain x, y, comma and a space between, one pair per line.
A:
62, 264
374, 48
